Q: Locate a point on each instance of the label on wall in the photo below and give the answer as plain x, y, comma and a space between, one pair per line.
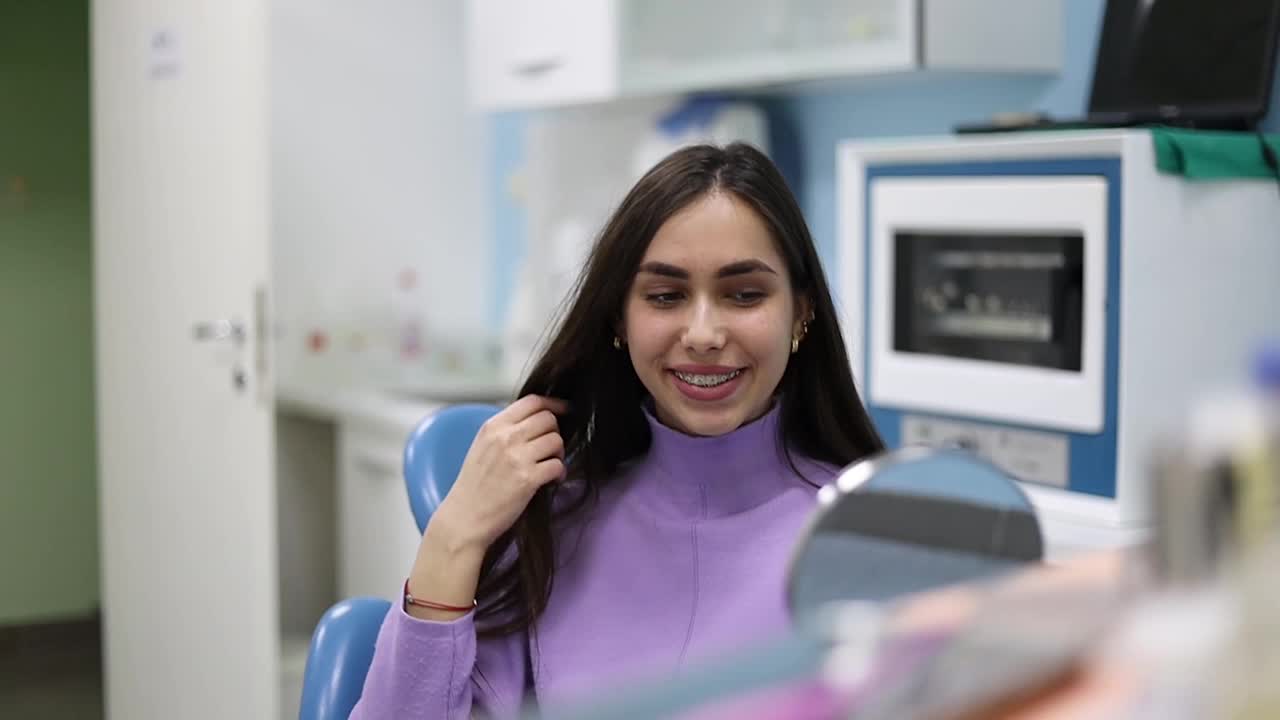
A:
163, 57
1028, 455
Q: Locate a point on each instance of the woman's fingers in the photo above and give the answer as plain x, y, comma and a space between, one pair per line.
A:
530, 405
535, 426
548, 471
550, 445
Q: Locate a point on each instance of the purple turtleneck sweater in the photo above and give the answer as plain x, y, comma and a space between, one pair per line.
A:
683, 558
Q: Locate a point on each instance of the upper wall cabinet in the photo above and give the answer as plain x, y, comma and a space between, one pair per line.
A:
537, 53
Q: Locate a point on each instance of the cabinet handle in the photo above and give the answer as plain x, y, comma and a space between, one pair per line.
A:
534, 68
375, 467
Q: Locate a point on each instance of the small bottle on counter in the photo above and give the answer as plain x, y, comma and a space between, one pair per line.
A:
1248, 689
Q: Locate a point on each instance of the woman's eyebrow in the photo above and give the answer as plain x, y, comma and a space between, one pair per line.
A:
745, 267
741, 267
665, 270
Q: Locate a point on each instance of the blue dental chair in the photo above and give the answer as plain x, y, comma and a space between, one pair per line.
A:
342, 645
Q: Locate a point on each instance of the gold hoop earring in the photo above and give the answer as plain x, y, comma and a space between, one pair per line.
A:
617, 343
804, 332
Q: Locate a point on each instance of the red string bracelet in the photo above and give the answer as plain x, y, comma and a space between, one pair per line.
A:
418, 602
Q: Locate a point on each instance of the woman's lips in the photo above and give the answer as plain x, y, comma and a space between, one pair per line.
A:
704, 393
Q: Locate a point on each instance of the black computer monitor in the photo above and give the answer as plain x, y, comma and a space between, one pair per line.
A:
1206, 63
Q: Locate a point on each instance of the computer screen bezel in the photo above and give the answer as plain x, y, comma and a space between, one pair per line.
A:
1248, 112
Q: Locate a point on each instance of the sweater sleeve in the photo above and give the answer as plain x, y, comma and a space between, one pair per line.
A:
438, 670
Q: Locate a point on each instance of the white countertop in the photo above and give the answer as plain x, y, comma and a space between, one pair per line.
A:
366, 407
398, 410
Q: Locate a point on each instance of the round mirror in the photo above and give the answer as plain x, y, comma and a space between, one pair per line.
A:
907, 521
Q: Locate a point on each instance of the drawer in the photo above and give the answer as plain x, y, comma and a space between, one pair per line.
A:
377, 536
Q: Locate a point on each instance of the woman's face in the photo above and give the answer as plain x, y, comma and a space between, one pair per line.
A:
710, 316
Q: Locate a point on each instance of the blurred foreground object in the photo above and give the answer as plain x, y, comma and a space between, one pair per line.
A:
1209, 635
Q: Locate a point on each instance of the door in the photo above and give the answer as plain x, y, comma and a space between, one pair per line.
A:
187, 508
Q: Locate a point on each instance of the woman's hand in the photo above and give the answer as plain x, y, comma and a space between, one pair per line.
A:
516, 452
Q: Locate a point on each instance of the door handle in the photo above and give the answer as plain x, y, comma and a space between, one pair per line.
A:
219, 330
237, 333
232, 331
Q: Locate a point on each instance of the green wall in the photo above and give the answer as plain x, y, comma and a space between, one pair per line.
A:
48, 490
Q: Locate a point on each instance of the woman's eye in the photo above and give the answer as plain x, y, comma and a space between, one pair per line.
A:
664, 299
747, 297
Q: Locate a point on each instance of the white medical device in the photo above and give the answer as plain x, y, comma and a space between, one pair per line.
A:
1051, 301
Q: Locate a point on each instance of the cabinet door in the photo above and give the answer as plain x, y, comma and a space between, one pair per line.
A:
377, 536
996, 35
676, 45
525, 53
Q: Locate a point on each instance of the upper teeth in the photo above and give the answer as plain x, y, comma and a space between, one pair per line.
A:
707, 380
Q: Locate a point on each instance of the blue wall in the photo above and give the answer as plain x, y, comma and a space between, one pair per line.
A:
507, 222
806, 127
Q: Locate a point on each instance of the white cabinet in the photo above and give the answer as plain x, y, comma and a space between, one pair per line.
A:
671, 45
377, 536
541, 52
526, 53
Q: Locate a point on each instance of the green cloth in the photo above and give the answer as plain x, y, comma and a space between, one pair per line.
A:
1213, 155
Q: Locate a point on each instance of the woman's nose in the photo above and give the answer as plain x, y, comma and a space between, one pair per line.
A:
704, 331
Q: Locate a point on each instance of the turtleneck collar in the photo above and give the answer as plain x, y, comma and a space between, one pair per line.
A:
706, 477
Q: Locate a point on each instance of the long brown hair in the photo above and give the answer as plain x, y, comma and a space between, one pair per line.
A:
822, 416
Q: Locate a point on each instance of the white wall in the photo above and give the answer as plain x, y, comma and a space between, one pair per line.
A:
377, 168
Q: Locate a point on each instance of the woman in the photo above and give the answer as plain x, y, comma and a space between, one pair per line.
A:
632, 512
